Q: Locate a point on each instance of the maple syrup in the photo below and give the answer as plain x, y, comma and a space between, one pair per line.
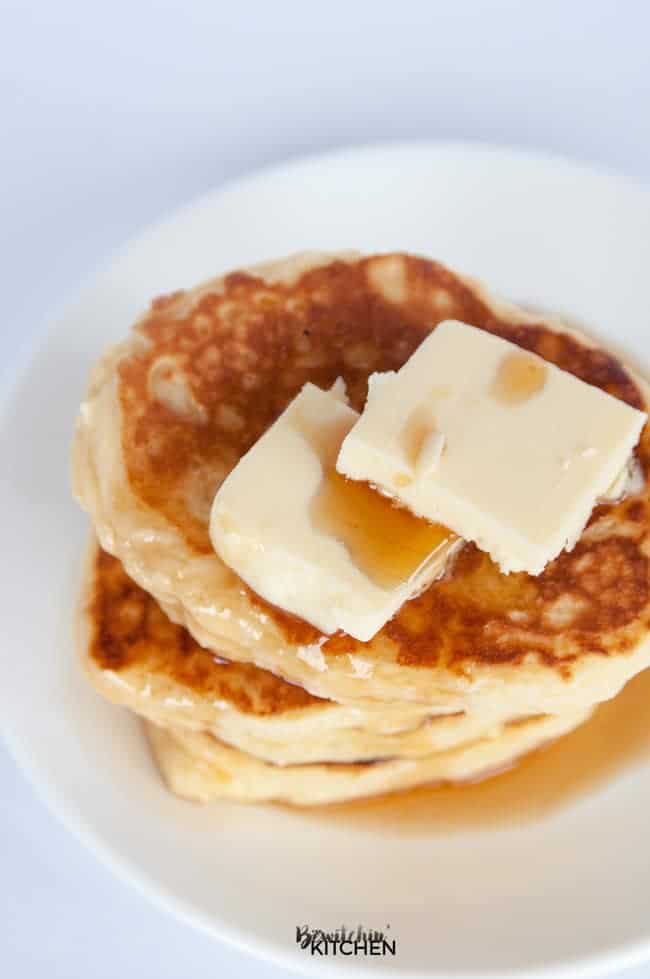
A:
518, 378
386, 542
614, 739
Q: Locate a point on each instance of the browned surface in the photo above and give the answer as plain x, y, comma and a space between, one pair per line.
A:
247, 352
466, 618
129, 630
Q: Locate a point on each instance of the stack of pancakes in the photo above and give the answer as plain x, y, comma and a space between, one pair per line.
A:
243, 700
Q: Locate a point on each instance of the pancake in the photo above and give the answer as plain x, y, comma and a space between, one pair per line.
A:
205, 372
198, 767
136, 657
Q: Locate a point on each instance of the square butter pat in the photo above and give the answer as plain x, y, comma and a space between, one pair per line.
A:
334, 552
504, 448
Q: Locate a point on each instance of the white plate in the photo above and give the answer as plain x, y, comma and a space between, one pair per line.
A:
569, 890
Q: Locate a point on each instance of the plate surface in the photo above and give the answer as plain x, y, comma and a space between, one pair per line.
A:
468, 881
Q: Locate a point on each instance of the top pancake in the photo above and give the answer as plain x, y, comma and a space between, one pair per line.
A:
170, 411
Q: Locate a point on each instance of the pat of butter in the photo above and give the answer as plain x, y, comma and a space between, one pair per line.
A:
334, 552
504, 448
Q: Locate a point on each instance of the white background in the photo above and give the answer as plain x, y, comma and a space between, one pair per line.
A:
113, 112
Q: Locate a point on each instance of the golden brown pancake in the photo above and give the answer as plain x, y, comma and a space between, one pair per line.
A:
170, 411
136, 657
197, 766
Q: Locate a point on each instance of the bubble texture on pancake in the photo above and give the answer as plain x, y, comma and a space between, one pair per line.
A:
207, 371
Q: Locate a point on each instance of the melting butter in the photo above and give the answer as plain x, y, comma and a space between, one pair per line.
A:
494, 457
334, 552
